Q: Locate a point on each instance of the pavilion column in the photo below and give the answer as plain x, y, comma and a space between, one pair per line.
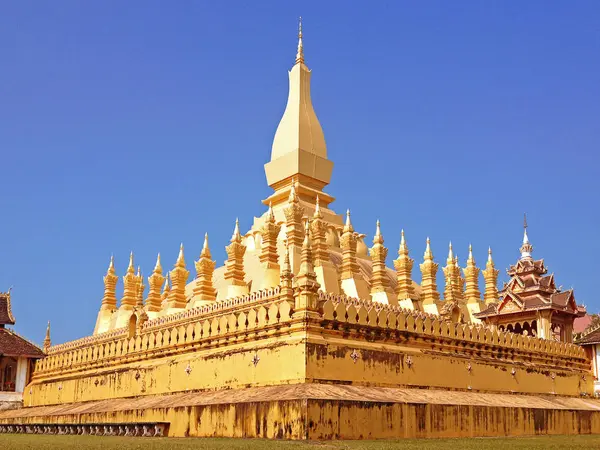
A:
21, 375
567, 332
544, 326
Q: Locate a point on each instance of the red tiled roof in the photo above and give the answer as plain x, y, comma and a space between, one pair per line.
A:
581, 323
6, 317
11, 344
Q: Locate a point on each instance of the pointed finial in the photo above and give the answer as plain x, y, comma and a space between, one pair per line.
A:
490, 260
130, 268
286, 257
180, 259
270, 214
317, 213
139, 272
236, 237
111, 266
348, 226
470, 258
450, 252
300, 53
428, 254
402, 249
157, 266
293, 197
166, 287
526, 248
47, 341
205, 253
306, 242
378, 239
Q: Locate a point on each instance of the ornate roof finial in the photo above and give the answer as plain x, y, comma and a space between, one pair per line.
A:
270, 213
300, 53
317, 214
130, 268
111, 266
47, 341
306, 241
167, 286
470, 258
348, 226
378, 239
157, 267
205, 250
526, 248
490, 260
236, 237
428, 256
450, 253
180, 259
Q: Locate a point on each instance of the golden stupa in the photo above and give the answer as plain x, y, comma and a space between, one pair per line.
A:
304, 333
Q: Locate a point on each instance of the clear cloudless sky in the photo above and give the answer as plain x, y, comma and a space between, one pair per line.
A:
138, 125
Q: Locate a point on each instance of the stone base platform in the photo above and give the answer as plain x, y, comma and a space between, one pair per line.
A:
325, 411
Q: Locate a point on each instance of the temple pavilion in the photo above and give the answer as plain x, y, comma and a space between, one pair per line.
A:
531, 304
17, 356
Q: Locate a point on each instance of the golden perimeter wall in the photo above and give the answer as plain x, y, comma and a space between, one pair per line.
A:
347, 369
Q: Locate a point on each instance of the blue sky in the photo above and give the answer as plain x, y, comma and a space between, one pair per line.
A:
137, 125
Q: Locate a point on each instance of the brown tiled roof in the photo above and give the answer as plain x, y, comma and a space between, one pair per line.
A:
589, 338
6, 317
11, 344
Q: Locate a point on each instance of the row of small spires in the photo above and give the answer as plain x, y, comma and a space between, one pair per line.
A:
134, 287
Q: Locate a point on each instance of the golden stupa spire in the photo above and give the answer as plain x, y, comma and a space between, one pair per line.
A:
166, 291
155, 281
47, 341
348, 244
130, 286
379, 279
205, 267
179, 276
109, 300
450, 276
490, 275
140, 289
306, 261
286, 276
429, 292
403, 265
234, 265
300, 53
472, 293
318, 229
268, 256
299, 151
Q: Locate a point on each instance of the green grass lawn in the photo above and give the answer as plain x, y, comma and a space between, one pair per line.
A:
41, 442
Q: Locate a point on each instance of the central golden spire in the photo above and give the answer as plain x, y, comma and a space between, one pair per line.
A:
299, 152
